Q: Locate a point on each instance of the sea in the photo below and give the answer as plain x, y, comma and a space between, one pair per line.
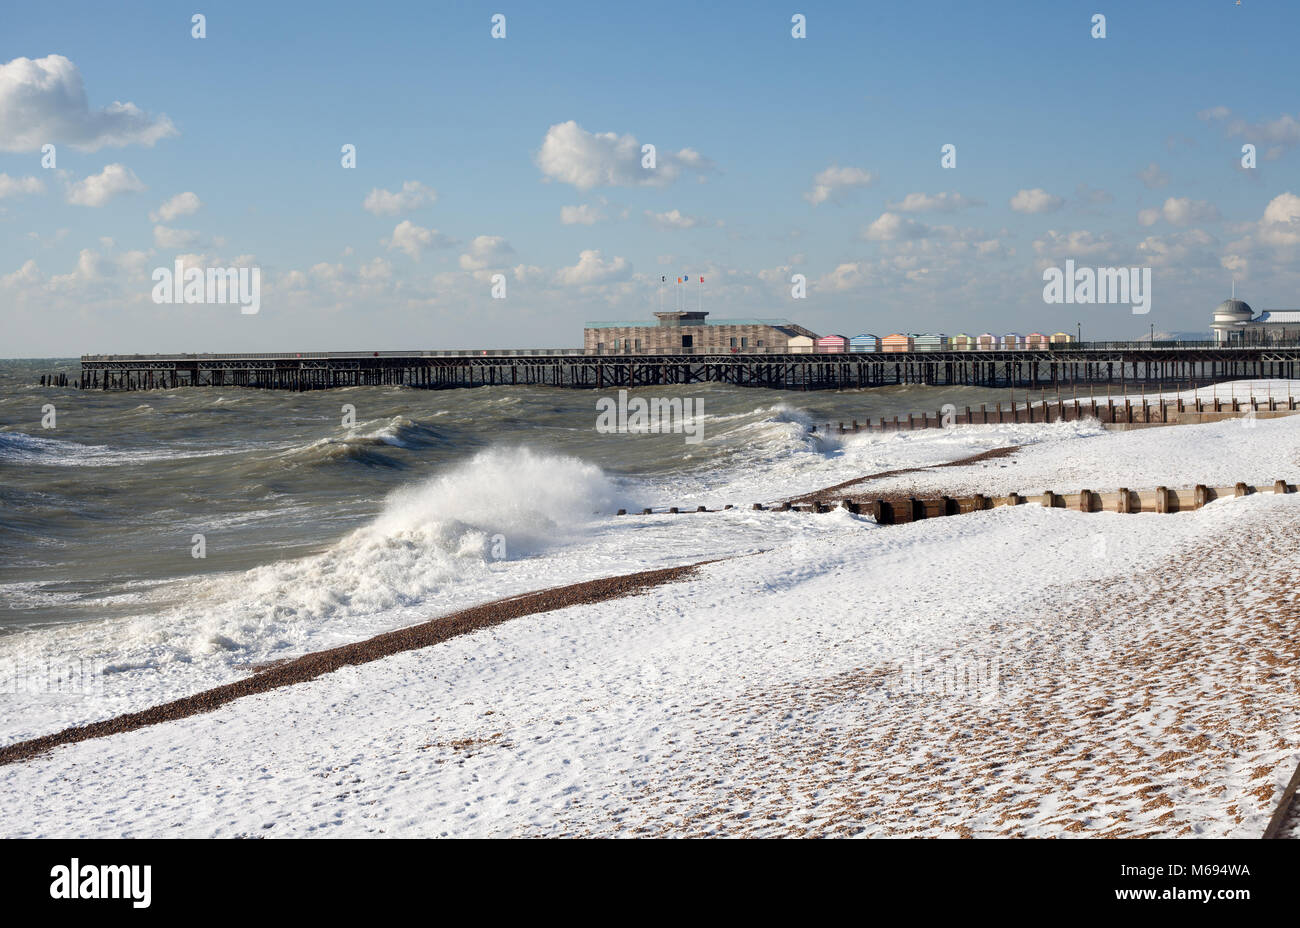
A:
161, 530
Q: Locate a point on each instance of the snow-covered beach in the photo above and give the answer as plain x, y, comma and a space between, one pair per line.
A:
1019, 671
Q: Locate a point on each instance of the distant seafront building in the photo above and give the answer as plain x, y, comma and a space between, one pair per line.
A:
674, 332
1236, 323
691, 332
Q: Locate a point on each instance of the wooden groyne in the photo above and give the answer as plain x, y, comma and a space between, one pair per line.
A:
1109, 412
1286, 817
892, 511
896, 510
1051, 365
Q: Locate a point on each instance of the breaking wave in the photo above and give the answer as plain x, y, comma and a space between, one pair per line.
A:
500, 505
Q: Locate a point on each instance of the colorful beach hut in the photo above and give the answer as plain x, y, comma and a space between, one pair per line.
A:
864, 343
832, 344
896, 342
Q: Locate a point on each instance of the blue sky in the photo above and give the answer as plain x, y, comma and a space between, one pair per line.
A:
1122, 151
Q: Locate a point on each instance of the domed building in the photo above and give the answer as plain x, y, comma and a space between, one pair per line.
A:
1236, 323
1230, 320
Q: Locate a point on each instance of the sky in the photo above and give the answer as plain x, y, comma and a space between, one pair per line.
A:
516, 163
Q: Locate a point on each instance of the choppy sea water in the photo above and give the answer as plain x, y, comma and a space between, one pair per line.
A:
304, 516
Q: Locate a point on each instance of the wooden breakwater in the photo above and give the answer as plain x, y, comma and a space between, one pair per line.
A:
1286, 815
1120, 412
896, 510
1123, 500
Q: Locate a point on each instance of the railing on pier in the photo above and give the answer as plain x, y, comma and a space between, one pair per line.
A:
1026, 351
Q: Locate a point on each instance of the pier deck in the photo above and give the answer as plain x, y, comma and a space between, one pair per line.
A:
1100, 362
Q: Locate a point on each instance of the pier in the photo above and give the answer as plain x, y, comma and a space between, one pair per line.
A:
1050, 366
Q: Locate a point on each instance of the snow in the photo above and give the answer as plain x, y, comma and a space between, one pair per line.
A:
1015, 671
1060, 459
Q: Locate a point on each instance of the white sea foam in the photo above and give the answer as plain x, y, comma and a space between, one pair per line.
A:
502, 504
21, 448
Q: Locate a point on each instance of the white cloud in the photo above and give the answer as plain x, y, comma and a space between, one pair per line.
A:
486, 251
183, 204
528, 273
583, 215
49, 241
169, 239
849, 276
1281, 133
1153, 177
1285, 130
1092, 196
1180, 211
98, 189
413, 240
593, 269
329, 273
676, 219
1181, 249
27, 275
91, 267
934, 203
1076, 244
134, 262
831, 182
16, 186
572, 155
413, 195
1281, 223
1036, 200
376, 269
44, 100
892, 227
